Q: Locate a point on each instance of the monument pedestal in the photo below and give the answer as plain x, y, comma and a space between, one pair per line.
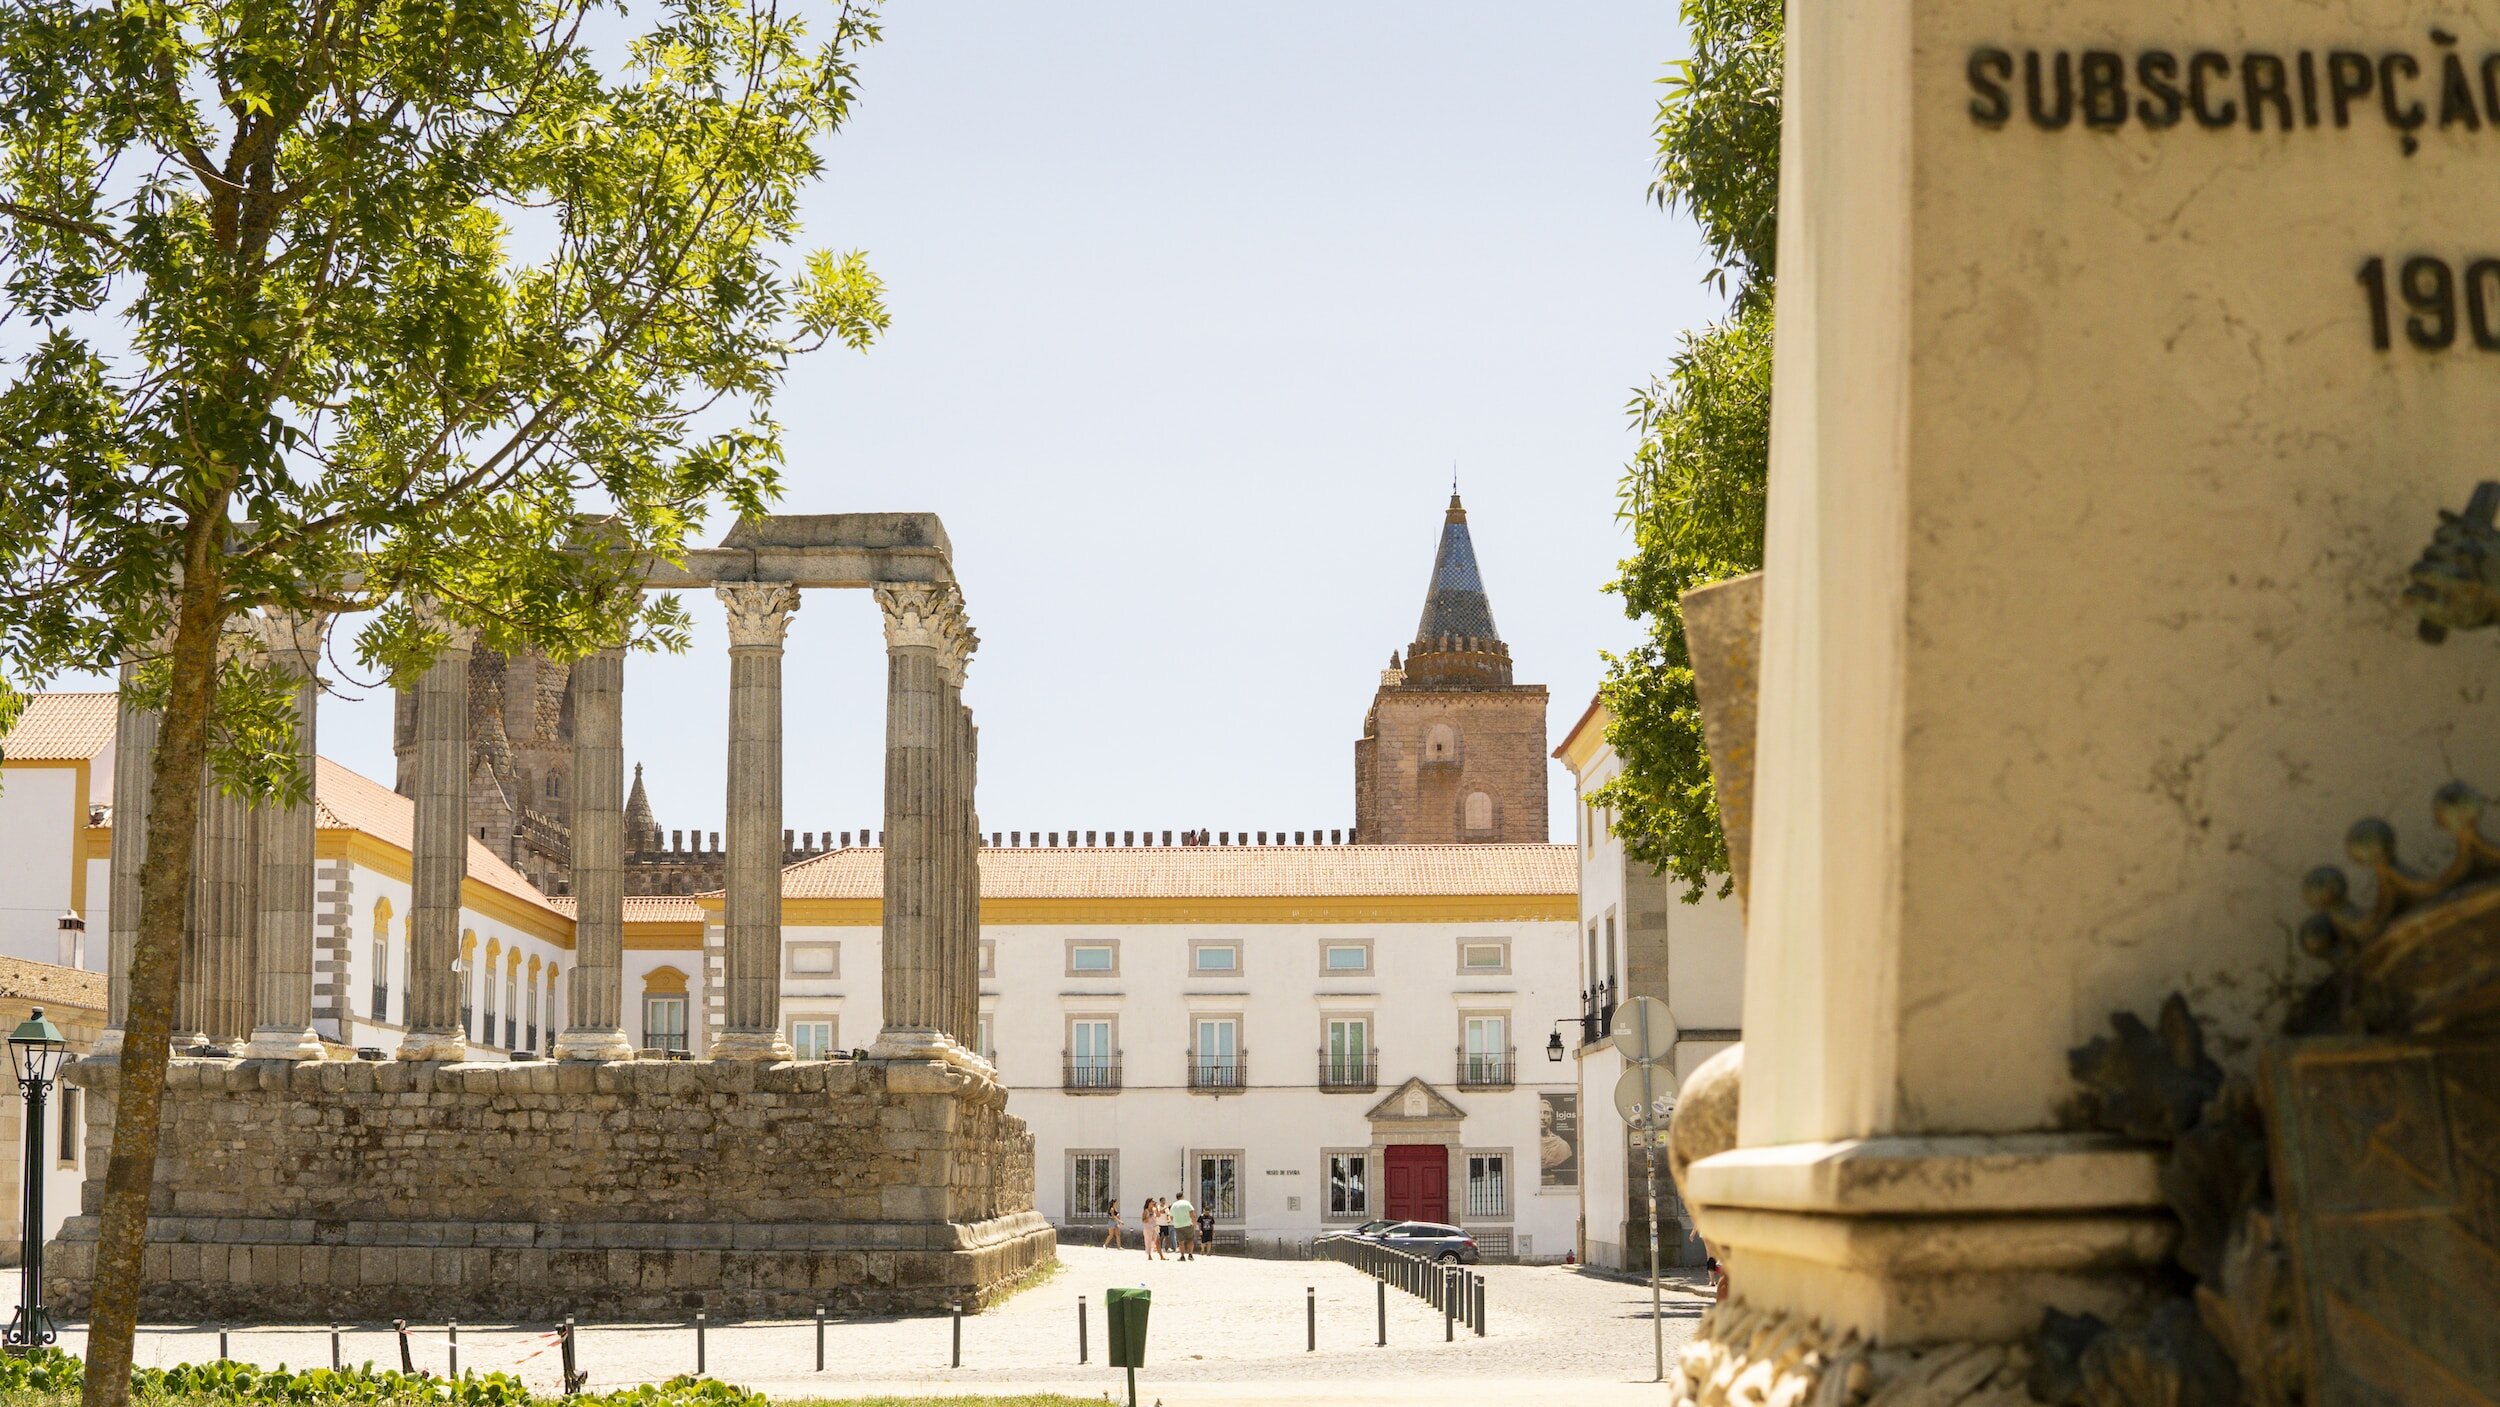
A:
628, 1190
2126, 357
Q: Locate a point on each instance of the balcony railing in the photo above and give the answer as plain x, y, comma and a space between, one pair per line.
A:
1088, 1074
381, 1001
1597, 1013
1487, 1069
1219, 1072
1342, 1070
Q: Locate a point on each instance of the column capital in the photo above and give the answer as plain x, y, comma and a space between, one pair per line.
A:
923, 616
759, 612
293, 639
459, 638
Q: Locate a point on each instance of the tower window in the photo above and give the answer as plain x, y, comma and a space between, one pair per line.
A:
555, 785
1479, 816
1441, 744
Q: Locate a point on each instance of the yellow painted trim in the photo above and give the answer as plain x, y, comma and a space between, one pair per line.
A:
1383, 908
664, 982
357, 847
1580, 745
663, 935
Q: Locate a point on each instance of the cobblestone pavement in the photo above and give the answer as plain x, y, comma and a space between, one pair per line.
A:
1225, 1332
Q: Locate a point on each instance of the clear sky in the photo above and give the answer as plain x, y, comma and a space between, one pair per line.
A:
1196, 305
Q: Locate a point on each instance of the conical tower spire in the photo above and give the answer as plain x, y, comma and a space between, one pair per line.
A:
642, 829
1456, 641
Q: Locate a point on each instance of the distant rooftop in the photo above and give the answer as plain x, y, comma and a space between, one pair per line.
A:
1220, 871
62, 728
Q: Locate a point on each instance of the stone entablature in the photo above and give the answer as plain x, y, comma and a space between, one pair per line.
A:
633, 1189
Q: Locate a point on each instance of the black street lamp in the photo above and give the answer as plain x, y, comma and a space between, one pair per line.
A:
36, 1050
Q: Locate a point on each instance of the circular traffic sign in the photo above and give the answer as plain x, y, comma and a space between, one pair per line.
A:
1643, 1030
1645, 1097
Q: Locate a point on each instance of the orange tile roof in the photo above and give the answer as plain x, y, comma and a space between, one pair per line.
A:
47, 982
641, 908
345, 799
1220, 871
61, 728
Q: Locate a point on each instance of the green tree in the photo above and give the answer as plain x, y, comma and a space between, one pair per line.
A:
341, 305
1694, 491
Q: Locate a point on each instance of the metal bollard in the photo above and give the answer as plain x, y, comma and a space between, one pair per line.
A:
222, 1355
820, 1338
1449, 1310
1080, 1329
1479, 1306
335, 1357
1310, 1319
573, 1376
454, 1340
959, 1335
698, 1343
406, 1364
1381, 1298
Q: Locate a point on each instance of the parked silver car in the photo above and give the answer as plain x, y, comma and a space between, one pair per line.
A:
1431, 1240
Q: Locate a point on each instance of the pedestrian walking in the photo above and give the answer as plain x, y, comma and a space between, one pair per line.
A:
1185, 1217
1206, 1228
1111, 1233
1163, 1229
1150, 1222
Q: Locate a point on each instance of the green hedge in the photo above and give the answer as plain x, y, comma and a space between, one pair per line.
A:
51, 1372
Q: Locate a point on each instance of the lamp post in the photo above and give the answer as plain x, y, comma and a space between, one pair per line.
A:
36, 1051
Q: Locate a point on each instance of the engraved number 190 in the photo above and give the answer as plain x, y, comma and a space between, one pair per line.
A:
2428, 288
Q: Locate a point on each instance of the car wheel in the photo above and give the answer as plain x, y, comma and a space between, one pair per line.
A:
1449, 1258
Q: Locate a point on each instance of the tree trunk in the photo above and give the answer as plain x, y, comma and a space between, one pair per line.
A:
155, 969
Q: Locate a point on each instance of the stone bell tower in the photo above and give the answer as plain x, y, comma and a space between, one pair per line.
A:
1452, 751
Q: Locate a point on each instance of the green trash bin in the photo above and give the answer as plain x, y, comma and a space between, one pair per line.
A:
1126, 1312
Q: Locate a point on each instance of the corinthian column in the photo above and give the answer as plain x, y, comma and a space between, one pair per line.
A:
439, 857
213, 1005
282, 1023
595, 1031
134, 768
927, 643
759, 616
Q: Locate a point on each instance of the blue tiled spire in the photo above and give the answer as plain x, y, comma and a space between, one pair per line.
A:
1455, 604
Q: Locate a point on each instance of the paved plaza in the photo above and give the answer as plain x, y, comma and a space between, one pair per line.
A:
1224, 1331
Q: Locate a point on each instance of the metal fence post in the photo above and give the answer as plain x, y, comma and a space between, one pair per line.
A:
1380, 1289
698, 1343
222, 1355
335, 1360
574, 1377
1479, 1305
406, 1364
1449, 1309
1080, 1328
453, 1338
820, 1338
1310, 1319
959, 1335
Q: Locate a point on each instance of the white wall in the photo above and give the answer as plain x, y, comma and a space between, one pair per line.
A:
42, 821
366, 888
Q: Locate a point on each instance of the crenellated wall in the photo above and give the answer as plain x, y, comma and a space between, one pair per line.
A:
636, 1189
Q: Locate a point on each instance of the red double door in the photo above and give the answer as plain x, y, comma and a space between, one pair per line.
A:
1419, 1182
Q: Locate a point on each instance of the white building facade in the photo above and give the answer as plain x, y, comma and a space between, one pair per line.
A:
1637, 937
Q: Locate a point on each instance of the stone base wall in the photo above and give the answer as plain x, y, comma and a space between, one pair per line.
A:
641, 1189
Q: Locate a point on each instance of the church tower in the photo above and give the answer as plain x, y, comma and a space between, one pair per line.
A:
1452, 751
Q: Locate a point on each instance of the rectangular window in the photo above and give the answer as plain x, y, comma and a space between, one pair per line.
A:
815, 959
989, 957
1491, 956
1348, 957
1093, 959
1093, 1060
812, 1037
1346, 1059
664, 1023
1484, 1055
1611, 977
989, 1048
1488, 1184
1215, 1060
1215, 957
1093, 1184
1218, 1187
1349, 1192
68, 1153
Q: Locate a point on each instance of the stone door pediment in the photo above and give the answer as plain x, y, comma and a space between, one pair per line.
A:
1415, 1102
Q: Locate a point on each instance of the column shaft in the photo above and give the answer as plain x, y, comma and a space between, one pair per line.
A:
441, 855
282, 1025
134, 767
927, 811
968, 947
759, 616
595, 1030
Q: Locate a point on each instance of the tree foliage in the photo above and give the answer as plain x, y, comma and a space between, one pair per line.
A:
1694, 491
348, 305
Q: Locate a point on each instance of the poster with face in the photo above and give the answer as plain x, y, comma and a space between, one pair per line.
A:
1558, 1142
